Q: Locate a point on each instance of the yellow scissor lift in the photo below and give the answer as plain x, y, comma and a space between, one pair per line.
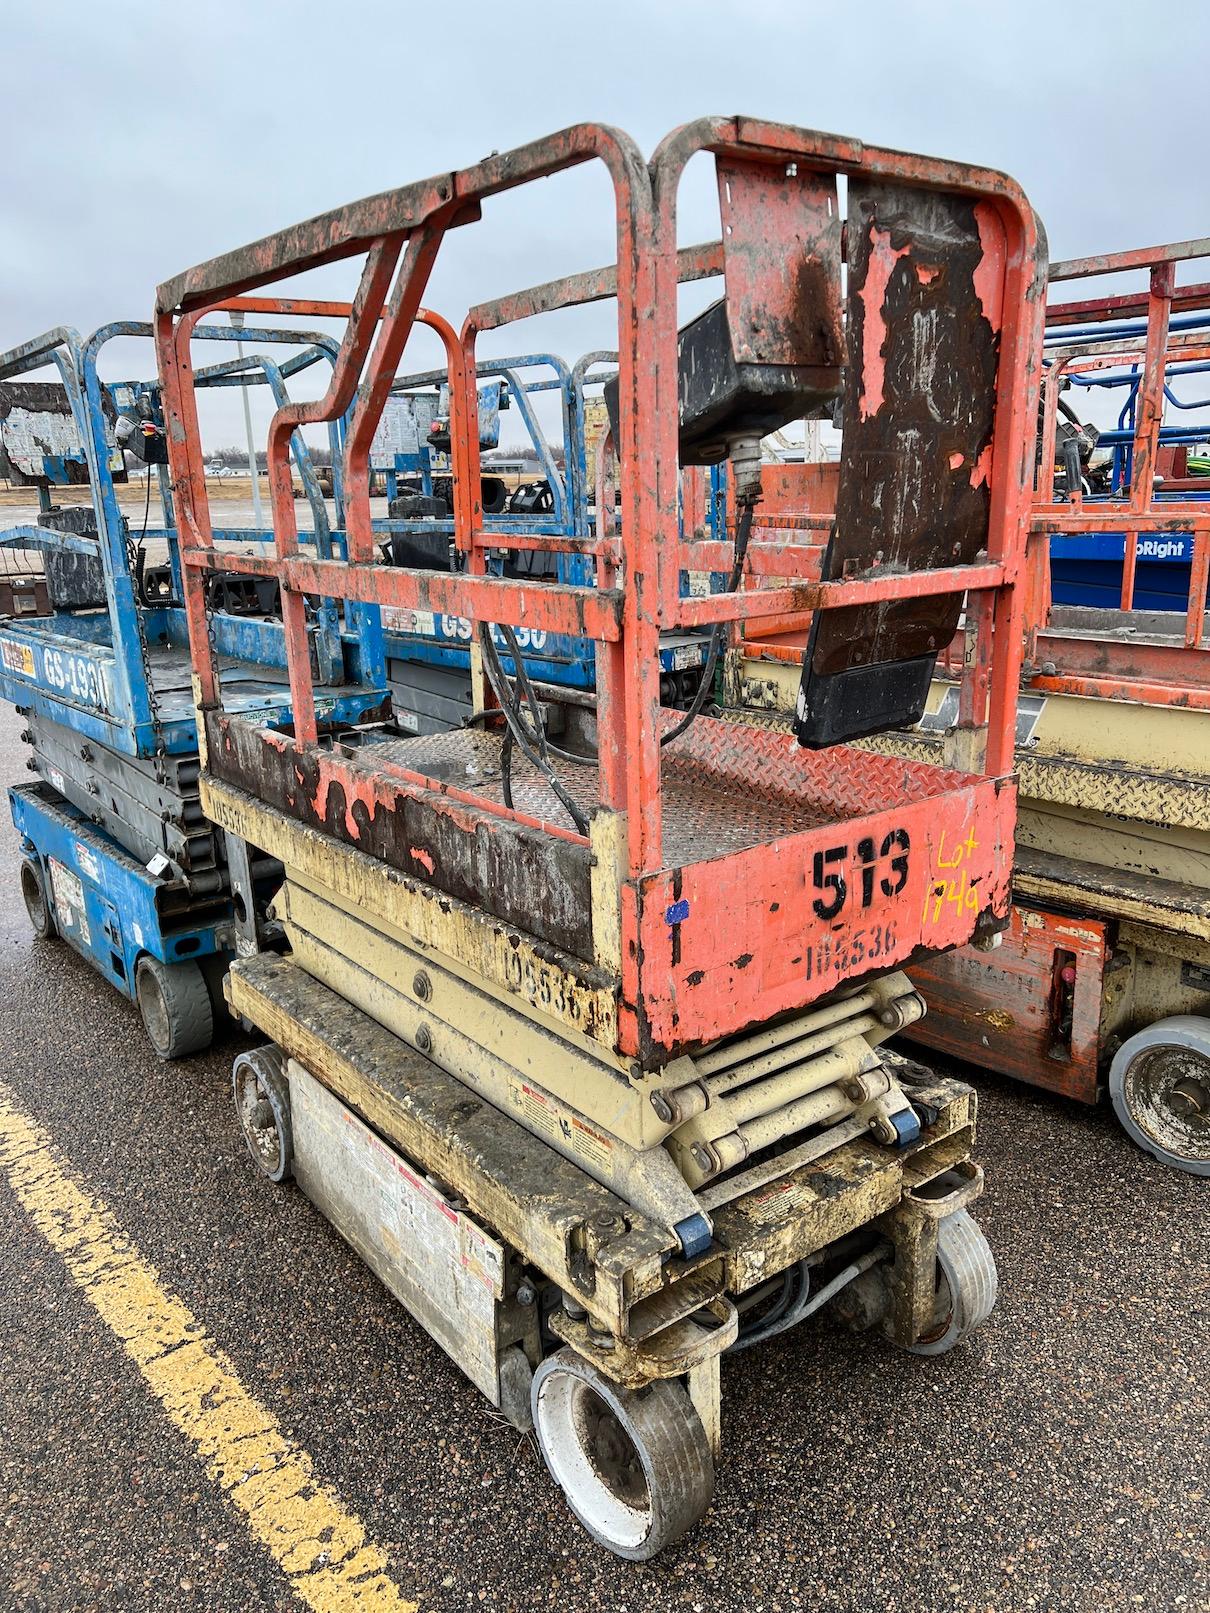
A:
582, 1050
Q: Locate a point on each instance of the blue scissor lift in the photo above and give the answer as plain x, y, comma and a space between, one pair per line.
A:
117, 856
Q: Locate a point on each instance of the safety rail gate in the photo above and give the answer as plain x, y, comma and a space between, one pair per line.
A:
730, 876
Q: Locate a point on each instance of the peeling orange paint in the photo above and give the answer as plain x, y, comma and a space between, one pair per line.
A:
981, 471
989, 275
883, 258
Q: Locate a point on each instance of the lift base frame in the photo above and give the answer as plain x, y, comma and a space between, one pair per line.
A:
104, 903
621, 1268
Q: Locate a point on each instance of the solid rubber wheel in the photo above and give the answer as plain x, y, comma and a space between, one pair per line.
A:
967, 1285
37, 903
1160, 1085
175, 1006
634, 1464
262, 1102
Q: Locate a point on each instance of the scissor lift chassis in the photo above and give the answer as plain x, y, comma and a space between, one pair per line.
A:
83, 887
644, 1313
390, 1145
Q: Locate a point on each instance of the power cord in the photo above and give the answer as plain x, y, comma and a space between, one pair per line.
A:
534, 743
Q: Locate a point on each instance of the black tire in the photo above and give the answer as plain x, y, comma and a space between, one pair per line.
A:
214, 973
175, 1006
37, 902
262, 1103
634, 1464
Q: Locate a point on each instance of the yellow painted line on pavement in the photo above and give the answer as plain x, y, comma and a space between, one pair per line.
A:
320, 1545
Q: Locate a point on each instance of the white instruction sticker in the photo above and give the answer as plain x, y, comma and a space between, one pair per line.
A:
68, 896
87, 860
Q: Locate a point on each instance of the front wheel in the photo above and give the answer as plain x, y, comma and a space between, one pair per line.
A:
634, 1464
175, 1004
967, 1285
1160, 1085
262, 1102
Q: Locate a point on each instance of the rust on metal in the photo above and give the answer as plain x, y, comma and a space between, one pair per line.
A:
1030, 1009
519, 875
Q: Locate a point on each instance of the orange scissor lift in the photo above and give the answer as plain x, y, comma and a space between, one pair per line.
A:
1104, 978
580, 1045
1103, 981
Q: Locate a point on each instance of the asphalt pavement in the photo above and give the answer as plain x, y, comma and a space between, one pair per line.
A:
1058, 1461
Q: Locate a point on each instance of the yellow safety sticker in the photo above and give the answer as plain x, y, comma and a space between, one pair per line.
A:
17, 657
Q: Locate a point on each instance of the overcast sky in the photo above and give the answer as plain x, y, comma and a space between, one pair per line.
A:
140, 140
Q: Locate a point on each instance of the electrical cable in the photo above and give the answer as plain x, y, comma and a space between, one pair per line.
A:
742, 534
510, 706
788, 1312
534, 743
538, 731
506, 763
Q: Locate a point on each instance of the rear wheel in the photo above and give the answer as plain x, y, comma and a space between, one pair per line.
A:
262, 1102
634, 1464
37, 902
1160, 1085
175, 1006
967, 1285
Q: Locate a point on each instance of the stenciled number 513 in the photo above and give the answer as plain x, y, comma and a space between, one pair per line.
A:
887, 863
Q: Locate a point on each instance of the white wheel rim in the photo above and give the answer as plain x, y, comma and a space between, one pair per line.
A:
153, 1008
1155, 1079
967, 1285
580, 1454
264, 1141
943, 1322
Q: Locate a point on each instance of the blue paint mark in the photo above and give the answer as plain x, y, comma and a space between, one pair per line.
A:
678, 912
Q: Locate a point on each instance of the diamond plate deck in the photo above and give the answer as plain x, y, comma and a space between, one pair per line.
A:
725, 787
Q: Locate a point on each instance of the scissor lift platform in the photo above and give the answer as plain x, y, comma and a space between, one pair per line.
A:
64, 668
891, 855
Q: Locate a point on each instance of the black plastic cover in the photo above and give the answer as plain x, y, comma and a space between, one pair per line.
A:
914, 494
722, 398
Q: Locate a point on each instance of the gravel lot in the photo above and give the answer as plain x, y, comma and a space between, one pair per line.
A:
1059, 1461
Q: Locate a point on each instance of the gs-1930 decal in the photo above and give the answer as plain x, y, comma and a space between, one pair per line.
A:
77, 676
455, 629
74, 675
460, 628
